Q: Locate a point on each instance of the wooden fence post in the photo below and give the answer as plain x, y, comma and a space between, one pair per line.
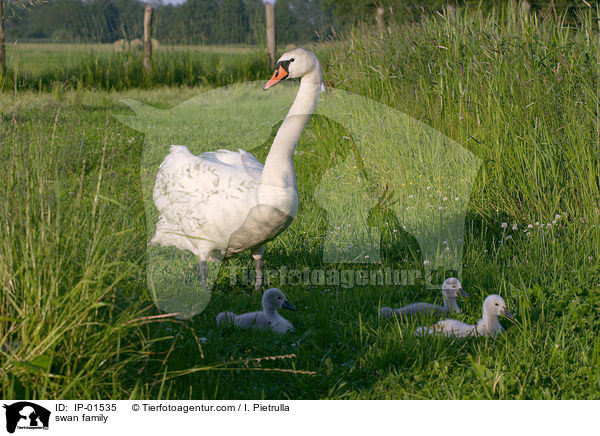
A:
147, 39
271, 44
2, 49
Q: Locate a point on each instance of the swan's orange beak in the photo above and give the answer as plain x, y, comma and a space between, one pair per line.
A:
278, 76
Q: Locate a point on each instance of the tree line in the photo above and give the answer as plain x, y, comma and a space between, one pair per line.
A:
219, 21
193, 22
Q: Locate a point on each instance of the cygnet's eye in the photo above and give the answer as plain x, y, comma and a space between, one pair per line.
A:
279, 298
497, 304
292, 60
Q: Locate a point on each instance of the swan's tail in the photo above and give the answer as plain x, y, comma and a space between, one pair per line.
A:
225, 317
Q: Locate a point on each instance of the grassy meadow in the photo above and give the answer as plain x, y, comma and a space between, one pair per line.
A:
522, 94
46, 67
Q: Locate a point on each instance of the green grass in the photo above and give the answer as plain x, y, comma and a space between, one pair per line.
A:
521, 95
44, 67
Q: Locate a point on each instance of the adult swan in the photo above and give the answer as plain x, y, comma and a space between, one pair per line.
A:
221, 203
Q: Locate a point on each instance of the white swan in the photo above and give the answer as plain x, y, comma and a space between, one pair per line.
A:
488, 325
450, 289
268, 318
221, 203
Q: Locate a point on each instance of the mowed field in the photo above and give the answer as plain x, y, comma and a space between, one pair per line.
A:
522, 95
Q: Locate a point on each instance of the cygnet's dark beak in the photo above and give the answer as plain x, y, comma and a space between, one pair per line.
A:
463, 293
504, 311
286, 305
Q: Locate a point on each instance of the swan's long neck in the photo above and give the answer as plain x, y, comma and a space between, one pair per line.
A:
270, 312
489, 322
450, 305
279, 168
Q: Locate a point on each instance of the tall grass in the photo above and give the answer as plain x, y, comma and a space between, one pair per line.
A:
67, 273
520, 93
99, 67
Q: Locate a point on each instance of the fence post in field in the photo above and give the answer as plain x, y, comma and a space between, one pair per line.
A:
2, 50
271, 47
380, 21
147, 39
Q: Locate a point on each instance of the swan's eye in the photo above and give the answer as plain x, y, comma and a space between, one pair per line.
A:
292, 60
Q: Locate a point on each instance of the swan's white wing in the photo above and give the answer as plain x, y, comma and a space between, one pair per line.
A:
448, 327
251, 165
252, 320
222, 156
242, 160
415, 308
453, 327
200, 200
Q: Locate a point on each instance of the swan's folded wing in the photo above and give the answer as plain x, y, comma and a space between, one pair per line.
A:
453, 327
252, 166
416, 308
239, 160
201, 198
223, 156
251, 320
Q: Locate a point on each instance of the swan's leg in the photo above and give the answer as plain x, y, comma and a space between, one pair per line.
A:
257, 254
203, 271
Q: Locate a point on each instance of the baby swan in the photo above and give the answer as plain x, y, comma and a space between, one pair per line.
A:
450, 289
488, 325
268, 318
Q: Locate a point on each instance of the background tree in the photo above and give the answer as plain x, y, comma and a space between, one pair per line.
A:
7, 9
225, 21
